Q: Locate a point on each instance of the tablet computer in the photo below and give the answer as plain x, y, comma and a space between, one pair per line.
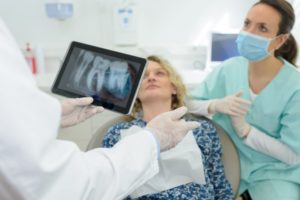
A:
111, 78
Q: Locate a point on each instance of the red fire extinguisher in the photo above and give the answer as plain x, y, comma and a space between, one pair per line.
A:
30, 58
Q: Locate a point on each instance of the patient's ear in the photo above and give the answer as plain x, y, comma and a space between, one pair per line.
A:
174, 92
174, 89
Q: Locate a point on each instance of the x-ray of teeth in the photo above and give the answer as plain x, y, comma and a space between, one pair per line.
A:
118, 82
96, 75
84, 60
111, 78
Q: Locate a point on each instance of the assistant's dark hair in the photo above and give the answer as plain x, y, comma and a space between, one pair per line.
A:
289, 49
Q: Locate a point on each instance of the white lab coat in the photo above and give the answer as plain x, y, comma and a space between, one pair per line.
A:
35, 165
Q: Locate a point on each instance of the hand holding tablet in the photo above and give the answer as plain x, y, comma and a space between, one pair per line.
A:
111, 78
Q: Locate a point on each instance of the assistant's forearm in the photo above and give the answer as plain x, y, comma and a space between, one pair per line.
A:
270, 146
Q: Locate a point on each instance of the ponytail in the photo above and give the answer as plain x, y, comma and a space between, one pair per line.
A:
289, 50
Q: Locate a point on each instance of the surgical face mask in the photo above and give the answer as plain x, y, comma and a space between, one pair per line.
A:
253, 47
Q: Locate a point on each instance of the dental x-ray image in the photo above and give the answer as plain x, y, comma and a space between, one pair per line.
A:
100, 76
112, 78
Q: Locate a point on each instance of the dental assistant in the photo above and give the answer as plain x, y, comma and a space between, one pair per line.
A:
256, 99
34, 165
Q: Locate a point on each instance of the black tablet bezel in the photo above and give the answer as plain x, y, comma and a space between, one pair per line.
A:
108, 105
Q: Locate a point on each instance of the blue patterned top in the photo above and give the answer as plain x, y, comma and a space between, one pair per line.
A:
216, 187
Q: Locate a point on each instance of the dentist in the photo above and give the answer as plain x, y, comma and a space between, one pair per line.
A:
256, 98
34, 165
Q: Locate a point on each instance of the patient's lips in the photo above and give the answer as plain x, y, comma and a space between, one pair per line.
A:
152, 86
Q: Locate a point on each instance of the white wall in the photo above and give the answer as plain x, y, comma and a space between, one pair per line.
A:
161, 22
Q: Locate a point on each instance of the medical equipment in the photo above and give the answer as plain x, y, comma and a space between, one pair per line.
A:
59, 9
125, 23
253, 47
222, 46
30, 58
232, 105
110, 77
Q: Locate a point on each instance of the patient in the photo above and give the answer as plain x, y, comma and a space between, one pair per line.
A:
162, 90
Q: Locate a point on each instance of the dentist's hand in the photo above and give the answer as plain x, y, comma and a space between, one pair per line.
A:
242, 128
232, 105
77, 110
169, 129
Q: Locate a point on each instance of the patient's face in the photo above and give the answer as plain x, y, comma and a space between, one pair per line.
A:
156, 85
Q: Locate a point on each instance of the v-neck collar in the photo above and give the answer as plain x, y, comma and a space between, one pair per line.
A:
266, 88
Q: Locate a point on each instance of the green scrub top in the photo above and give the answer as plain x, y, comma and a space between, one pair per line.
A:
275, 111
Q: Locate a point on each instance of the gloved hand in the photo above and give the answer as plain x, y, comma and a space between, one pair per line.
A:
240, 125
77, 110
232, 105
169, 129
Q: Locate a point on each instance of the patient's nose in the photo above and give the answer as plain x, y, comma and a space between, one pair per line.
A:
151, 77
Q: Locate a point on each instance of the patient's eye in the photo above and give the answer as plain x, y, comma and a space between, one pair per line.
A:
160, 73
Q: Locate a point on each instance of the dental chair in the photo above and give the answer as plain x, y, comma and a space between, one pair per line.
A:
230, 155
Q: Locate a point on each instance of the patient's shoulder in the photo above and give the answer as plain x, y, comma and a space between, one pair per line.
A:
113, 134
126, 125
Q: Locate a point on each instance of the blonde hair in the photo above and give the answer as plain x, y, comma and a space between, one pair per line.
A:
176, 81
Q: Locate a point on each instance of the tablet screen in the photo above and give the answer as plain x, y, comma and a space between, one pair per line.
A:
111, 78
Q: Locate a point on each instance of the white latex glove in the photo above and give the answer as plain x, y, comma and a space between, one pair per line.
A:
169, 129
232, 105
77, 110
240, 125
